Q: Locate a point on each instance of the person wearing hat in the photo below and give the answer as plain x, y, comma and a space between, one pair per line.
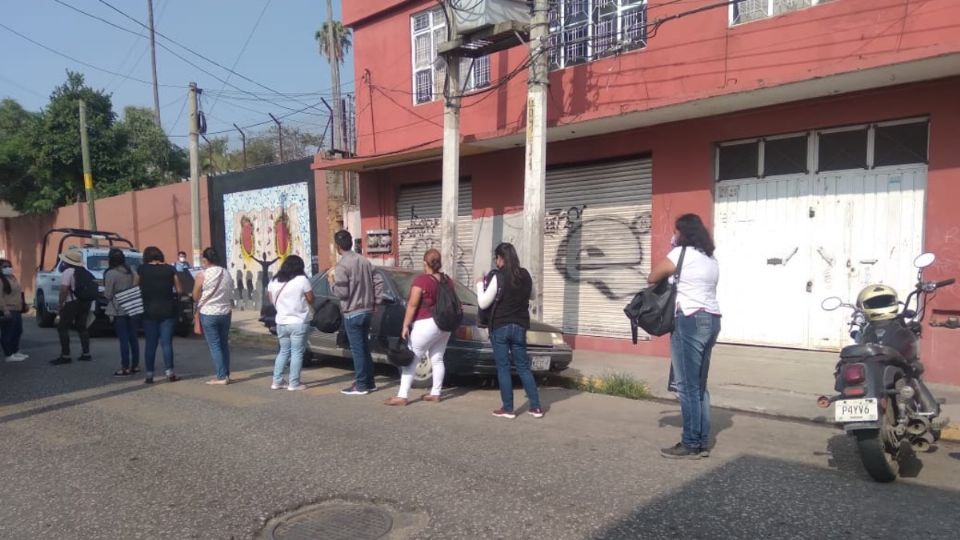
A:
73, 311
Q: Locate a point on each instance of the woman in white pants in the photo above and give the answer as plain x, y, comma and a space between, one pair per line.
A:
421, 332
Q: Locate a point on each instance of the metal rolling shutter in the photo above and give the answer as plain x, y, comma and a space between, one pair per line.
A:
418, 228
596, 245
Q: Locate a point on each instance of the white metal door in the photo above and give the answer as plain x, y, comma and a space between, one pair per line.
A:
596, 245
786, 243
418, 228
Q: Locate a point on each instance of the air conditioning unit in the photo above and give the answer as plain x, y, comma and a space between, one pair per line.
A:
473, 15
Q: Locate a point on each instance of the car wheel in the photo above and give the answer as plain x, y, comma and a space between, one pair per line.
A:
45, 319
184, 330
310, 359
423, 374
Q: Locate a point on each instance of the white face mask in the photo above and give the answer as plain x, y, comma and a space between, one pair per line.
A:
7, 271
183, 259
675, 241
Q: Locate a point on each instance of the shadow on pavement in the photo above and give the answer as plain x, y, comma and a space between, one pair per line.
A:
759, 497
720, 420
70, 403
844, 457
955, 455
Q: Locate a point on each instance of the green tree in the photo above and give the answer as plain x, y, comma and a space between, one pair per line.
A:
214, 157
341, 38
149, 159
16, 152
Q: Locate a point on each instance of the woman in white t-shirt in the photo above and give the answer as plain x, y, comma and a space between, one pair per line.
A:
695, 330
292, 295
213, 291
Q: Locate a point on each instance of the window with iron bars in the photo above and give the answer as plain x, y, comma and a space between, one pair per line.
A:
585, 30
744, 11
428, 30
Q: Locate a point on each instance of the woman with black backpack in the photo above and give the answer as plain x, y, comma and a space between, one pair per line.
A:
420, 329
507, 295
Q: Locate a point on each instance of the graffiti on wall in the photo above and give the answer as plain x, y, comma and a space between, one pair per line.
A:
605, 252
417, 235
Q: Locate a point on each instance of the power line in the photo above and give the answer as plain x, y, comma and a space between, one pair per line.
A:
81, 62
242, 50
145, 49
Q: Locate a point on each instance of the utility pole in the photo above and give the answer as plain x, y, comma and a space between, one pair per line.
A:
279, 134
153, 62
87, 174
194, 173
450, 189
534, 180
243, 139
332, 46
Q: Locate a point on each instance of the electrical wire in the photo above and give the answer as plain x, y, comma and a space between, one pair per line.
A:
81, 62
142, 53
243, 49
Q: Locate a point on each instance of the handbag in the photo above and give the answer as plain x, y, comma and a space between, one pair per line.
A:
327, 317
655, 308
398, 352
130, 301
197, 327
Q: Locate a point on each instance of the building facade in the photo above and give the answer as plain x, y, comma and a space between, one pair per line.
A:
815, 137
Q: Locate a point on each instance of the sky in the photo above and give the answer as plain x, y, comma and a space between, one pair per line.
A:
281, 57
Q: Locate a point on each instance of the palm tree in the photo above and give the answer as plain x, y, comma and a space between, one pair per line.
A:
341, 38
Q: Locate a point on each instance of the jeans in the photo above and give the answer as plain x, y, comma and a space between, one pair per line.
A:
74, 315
11, 328
691, 345
125, 327
293, 341
154, 333
510, 341
357, 327
216, 330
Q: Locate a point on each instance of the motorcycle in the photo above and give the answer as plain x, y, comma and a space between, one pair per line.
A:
882, 399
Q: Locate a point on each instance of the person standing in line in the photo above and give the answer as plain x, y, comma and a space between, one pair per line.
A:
292, 295
181, 265
119, 277
508, 295
358, 287
73, 310
11, 313
695, 330
213, 290
421, 332
160, 288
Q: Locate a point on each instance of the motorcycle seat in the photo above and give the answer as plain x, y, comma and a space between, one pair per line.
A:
864, 351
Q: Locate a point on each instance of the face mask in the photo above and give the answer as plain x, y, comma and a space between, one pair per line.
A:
7, 271
675, 241
183, 259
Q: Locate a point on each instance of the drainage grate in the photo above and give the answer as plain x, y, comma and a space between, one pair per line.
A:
334, 522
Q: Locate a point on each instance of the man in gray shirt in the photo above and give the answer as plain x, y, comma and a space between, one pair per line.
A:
354, 282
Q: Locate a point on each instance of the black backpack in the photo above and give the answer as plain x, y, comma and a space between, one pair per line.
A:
85, 288
327, 317
447, 311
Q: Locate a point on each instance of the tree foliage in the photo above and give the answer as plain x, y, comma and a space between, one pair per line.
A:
341, 41
216, 157
41, 166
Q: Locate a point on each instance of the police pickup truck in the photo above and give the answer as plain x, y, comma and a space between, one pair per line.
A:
94, 246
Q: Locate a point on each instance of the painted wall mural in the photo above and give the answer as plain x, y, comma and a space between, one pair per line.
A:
264, 226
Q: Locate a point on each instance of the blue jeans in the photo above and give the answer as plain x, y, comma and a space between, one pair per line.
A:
293, 341
154, 333
511, 341
126, 327
11, 328
216, 330
357, 327
691, 345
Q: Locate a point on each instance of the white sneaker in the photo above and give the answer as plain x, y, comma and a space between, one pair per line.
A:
17, 357
297, 387
281, 386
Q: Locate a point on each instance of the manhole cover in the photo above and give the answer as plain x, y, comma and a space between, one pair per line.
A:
334, 522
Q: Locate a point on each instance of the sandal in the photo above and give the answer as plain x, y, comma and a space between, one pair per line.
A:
122, 373
218, 382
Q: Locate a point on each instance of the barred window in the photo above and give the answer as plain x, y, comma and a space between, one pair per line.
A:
584, 30
428, 31
743, 11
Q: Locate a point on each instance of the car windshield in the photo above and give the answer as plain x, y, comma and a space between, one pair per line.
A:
403, 280
99, 263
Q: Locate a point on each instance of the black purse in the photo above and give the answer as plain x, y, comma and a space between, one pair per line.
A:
655, 308
398, 353
327, 317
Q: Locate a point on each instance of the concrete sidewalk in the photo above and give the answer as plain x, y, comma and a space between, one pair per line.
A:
775, 382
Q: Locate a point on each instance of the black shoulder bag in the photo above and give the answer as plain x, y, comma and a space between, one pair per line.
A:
655, 308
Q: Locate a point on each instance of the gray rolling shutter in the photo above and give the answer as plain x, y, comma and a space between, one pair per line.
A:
596, 245
418, 228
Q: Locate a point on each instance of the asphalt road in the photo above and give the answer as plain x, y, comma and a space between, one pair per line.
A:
84, 455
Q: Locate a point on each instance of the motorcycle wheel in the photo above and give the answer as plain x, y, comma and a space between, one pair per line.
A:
881, 464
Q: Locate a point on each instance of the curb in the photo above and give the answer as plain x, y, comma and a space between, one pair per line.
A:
950, 433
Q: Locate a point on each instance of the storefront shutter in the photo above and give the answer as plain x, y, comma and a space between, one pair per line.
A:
418, 228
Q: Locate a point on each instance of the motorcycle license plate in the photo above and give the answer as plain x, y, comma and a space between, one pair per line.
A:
540, 363
856, 410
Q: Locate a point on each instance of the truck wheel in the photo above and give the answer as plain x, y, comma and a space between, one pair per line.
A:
45, 319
